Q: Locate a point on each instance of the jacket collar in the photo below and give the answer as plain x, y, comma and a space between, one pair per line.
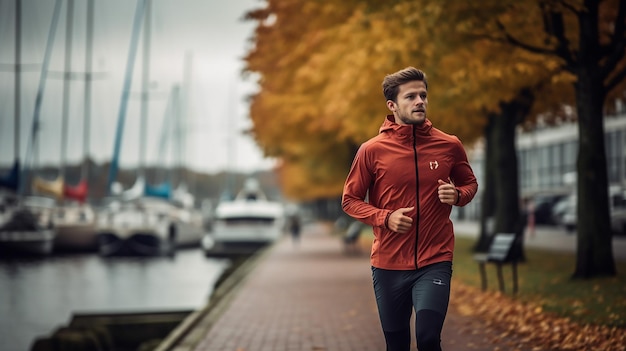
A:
390, 125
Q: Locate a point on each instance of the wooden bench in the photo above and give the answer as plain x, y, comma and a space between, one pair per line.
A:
500, 253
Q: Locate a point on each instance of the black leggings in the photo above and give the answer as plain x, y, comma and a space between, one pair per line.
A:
427, 290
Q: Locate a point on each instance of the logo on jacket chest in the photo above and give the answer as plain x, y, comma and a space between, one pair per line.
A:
436, 166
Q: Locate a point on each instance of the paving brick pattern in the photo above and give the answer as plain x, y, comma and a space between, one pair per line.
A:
314, 297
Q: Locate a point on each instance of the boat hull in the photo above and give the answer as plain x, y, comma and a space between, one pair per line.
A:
186, 226
137, 228
76, 238
23, 231
75, 229
36, 242
135, 244
242, 235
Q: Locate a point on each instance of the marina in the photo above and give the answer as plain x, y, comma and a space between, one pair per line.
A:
40, 294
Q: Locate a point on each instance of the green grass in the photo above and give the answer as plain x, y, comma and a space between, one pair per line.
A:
545, 279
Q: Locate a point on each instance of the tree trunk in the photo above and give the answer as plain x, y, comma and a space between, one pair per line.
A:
594, 255
509, 218
501, 202
506, 182
488, 199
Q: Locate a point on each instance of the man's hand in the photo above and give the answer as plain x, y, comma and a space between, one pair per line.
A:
447, 192
398, 222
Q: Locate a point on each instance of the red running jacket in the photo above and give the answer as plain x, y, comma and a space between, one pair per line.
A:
400, 167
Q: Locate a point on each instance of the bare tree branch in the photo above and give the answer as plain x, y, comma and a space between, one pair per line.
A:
554, 26
616, 79
508, 38
615, 52
568, 6
618, 34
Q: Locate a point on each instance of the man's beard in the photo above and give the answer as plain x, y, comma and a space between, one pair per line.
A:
408, 120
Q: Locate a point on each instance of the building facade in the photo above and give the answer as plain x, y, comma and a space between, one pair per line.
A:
547, 161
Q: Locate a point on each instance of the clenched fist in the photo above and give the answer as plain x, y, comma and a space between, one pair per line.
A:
447, 193
398, 222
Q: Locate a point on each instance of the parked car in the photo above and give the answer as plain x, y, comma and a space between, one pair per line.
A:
563, 206
618, 212
617, 208
543, 206
569, 215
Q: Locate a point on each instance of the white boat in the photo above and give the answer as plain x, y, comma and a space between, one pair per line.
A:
75, 226
24, 221
8, 202
188, 221
27, 229
189, 226
244, 225
138, 227
183, 222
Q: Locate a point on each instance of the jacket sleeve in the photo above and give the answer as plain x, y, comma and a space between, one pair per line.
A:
355, 192
463, 177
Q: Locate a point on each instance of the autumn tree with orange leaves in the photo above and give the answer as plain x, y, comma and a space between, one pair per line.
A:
321, 64
287, 113
588, 39
334, 79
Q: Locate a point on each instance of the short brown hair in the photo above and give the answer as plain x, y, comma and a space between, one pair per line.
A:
392, 82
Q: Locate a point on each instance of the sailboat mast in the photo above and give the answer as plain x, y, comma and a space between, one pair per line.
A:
180, 112
166, 135
145, 91
18, 61
66, 85
12, 179
139, 12
88, 78
187, 137
231, 139
178, 155
42, 84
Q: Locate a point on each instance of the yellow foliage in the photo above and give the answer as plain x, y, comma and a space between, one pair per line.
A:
321, 64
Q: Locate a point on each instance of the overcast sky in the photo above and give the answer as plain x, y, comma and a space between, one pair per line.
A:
210, 32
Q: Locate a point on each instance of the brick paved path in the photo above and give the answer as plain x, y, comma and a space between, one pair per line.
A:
314, 298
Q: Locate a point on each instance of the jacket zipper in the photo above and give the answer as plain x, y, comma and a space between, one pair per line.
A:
417, 197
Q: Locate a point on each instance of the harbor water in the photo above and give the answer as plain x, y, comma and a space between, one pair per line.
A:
38, 295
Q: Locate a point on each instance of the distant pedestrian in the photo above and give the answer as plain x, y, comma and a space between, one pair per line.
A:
295, 228
412, 175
